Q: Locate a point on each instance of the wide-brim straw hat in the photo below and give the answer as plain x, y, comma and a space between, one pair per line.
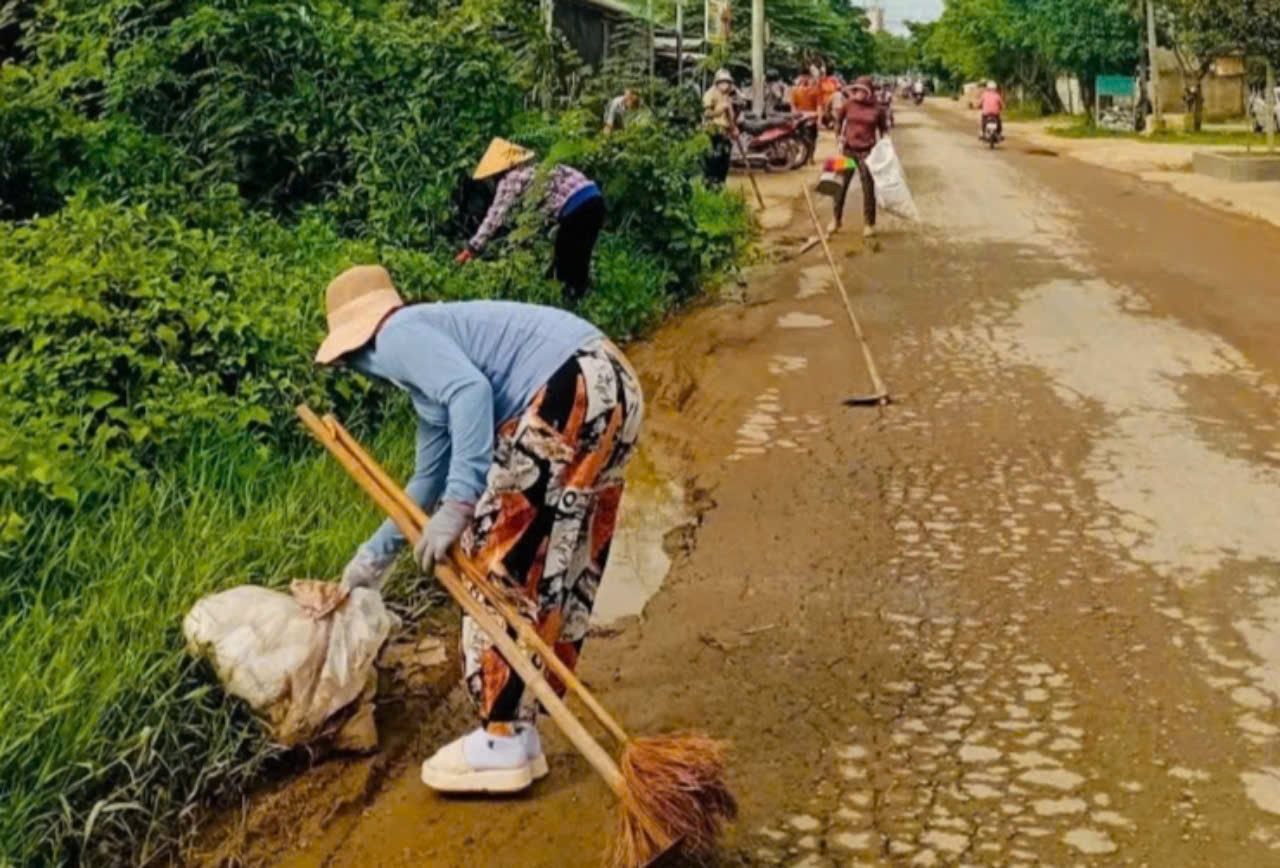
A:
356, 303
500, 156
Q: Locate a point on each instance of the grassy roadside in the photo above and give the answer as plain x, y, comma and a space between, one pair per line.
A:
103, 710
1075, 129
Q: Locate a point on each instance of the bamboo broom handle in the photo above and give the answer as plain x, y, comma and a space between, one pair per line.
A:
876, 382
476, 574
573, 729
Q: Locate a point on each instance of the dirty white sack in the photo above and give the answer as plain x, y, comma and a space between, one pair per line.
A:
298, 658
892, 193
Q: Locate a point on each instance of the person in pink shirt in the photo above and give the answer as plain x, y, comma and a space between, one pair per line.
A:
991, 104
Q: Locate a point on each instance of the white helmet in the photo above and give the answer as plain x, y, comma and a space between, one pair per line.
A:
991, 85
722, 74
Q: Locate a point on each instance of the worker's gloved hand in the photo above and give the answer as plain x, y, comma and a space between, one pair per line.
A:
465, 256
365, 570
443, 530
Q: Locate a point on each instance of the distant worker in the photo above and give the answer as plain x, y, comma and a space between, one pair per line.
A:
570, 198
806, 95
619, 108
990, 105
719, 118
917, 90
862, 123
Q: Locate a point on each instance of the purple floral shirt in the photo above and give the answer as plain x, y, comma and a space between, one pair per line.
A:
564, 182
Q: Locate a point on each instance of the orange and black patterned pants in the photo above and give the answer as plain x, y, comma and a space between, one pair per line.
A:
544, 525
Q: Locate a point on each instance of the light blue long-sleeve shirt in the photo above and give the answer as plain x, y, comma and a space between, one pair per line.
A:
468, 368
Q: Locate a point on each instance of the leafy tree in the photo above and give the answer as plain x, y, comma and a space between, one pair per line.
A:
1087, 38
1199, 32
977, 39
894, 54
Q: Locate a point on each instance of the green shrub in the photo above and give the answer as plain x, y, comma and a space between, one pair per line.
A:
124, 332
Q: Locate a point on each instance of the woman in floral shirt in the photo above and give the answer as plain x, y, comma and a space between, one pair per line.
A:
572, 199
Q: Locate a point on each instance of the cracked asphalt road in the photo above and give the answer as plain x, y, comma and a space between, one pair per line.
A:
1027, 615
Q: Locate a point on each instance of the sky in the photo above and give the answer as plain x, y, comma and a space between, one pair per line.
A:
896, 12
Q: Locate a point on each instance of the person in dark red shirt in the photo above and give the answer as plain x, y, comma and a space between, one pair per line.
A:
863, 122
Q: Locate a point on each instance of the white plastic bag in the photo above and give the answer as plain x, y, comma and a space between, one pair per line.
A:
298, 658
892, 193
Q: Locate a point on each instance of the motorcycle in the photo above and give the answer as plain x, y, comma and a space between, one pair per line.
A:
775, 143
917, 97
991, 131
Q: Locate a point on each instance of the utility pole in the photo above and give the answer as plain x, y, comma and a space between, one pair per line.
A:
1153, 70
679, 42
1271, 105
548, 23
757, 57
653, 50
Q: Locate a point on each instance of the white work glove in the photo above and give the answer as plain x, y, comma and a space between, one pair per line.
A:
442, 531
365, 570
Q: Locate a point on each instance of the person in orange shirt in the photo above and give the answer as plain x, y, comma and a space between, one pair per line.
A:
805, 96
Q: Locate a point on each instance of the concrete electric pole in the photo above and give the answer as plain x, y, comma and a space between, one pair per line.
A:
1271, 106
1153, 70
757, 57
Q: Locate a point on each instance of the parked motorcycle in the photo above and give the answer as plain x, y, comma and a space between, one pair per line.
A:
991, 131
775, 143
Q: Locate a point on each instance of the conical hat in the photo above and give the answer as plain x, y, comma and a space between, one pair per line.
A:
502, 155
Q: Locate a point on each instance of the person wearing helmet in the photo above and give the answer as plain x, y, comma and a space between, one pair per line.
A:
990, 105
571, 199
718, 117
862, 122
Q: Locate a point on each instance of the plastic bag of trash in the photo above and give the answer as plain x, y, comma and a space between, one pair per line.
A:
303, 660
892, 193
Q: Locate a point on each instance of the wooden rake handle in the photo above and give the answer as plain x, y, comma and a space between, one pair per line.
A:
479, 578
573, 729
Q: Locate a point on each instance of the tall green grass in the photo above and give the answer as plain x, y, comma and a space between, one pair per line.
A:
108, 731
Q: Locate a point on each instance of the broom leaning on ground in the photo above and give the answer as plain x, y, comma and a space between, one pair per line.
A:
671, 789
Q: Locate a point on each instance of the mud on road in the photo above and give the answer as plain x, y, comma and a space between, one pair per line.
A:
1028, 614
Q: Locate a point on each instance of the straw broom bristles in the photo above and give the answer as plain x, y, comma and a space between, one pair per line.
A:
672, 789
676, 795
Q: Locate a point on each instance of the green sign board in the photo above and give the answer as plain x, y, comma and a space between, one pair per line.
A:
1115, 85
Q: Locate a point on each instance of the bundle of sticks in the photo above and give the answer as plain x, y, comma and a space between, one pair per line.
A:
671, 790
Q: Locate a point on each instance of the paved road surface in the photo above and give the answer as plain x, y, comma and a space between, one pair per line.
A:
1028, 615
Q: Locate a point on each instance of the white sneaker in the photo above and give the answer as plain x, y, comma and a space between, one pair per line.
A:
869, 232
479, 763
533, 750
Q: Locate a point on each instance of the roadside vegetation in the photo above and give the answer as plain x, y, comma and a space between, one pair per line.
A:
1074, 128
178, 182
1026, 45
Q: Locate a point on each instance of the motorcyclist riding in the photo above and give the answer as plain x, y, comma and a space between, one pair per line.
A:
991, 104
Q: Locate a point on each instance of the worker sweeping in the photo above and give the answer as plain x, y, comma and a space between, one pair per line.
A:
572, 199
862, 122
527, 416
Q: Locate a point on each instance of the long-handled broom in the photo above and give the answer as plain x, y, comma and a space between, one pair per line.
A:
880, 396
671, 789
